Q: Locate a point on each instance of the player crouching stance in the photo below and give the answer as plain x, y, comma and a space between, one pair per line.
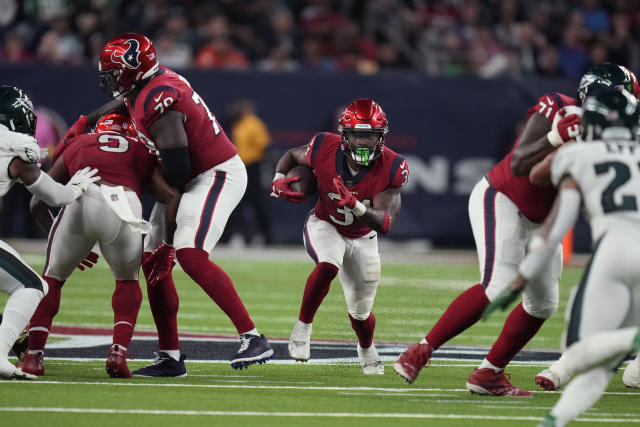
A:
602, 176
359, 184
110, 214
19, 155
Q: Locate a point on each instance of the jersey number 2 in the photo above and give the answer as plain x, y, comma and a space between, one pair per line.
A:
622, 175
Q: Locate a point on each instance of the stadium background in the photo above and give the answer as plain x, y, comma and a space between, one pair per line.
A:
455, 78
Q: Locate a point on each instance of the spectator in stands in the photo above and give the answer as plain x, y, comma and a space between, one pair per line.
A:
219, 51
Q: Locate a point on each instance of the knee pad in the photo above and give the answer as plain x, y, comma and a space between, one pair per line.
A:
359, 316
542, 310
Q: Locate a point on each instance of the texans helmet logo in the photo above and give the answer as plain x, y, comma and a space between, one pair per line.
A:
129, 58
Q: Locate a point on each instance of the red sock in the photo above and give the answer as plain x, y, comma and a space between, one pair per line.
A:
43, 316
164, 303
316, 289
463, 312
364, 329
125, 301
518, 329
216, 284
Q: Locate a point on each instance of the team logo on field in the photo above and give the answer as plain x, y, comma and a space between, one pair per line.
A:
129, 58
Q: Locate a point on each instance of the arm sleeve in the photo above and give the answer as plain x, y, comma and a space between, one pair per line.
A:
176, 165
313, 147
51, 192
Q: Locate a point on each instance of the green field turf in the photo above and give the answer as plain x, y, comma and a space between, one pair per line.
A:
410, 299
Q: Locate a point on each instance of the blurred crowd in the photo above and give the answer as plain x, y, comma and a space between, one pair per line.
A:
486, 38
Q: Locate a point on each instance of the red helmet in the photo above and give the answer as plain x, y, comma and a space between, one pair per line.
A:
124, 60
363, 126
116, 123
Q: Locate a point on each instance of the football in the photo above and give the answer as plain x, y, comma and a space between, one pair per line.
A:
307, 185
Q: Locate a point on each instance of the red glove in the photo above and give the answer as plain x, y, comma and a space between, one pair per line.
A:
280, 189
159, 264
89, 261
346, 198
78, 128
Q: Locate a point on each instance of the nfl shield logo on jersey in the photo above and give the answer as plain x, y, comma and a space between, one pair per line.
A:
114, 197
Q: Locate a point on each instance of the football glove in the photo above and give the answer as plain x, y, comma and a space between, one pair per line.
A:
78, 128
82, 180
565, 127
159, 264
280, 189
504, 299
89, 261
346, 198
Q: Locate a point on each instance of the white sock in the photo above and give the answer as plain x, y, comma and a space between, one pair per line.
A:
19, 308
581, 393
423, 341
175, 354
598, 349
254, 331
486, 365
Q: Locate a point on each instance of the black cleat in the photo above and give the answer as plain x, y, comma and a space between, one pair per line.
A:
253, 349
164, 366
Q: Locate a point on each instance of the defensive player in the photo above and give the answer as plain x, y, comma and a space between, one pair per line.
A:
603, 177
506, 210
359, 182
19, 155
198, 158
110, 214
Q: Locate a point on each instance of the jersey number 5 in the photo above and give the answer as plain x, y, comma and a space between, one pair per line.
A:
113, 143
622, 175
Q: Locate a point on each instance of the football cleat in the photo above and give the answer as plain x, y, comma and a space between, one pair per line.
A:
412, 360
300, 342
10, 372
21, 346
631, 376
33, 363
491, 383
117, 363
253, 349
370, 360
164, 366
552, 379
548, 421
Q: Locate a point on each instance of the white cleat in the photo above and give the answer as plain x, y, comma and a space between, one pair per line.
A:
370, 360
10, 372
552, 379
631, 376
300, 342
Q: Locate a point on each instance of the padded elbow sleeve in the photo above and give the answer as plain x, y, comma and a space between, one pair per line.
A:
175, 165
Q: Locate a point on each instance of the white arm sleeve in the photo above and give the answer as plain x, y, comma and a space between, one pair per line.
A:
53, 193
542, 250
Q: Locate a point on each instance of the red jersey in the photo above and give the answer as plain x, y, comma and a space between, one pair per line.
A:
119, 159
325, 156
208, 144
533, 201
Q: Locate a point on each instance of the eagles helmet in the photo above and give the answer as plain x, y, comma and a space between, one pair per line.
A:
124, 60
607, 75
363, 120
610, 113
16, 111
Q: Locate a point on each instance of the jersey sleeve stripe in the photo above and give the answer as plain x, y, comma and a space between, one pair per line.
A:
316, 145
394, 168
209, 207
153, 92
307, 241
489, 234
558, 99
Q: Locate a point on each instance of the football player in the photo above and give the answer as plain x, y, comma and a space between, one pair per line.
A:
359, 182
603, 177
110, 213
19, 155
506, 211
197, 157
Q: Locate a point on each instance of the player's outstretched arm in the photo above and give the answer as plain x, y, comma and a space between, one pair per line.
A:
38, 209
533, 145
292, 158
164, 193
115, 105
169, 136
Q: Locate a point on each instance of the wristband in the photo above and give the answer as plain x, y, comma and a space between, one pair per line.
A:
279, 175
386, 225
359, 209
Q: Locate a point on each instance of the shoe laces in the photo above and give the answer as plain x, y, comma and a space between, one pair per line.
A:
245, 340
159, 359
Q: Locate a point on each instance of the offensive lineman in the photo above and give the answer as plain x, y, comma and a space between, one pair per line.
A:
602, 176
110, 213
19, 155
359, 182
198, 158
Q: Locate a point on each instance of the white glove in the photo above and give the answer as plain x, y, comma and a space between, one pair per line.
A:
81, 180
24, 146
